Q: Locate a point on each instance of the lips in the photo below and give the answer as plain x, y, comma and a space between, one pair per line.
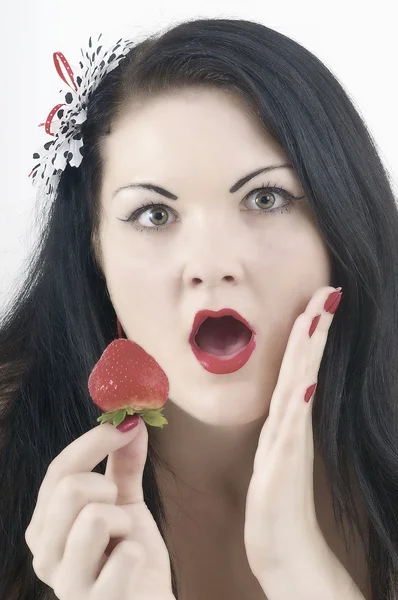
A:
223, 358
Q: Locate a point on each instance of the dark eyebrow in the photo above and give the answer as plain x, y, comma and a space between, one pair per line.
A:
234, 188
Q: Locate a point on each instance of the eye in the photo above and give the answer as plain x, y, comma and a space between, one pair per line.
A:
157, 215
265, 198
265, 201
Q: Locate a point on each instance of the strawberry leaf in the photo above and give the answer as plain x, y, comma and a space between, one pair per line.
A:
105, 418
108, 416
154, 417
119, 417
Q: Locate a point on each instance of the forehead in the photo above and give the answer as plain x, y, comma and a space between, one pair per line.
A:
194, 131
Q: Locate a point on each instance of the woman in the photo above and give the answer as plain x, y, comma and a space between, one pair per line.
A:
193, 114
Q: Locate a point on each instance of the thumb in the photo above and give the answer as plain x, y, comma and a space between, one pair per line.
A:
125, 466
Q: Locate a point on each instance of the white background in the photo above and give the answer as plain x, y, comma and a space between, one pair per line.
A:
357, 40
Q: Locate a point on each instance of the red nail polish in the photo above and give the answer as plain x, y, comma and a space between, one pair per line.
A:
314, 324
335, 306
330, 302
310, 392
129, 422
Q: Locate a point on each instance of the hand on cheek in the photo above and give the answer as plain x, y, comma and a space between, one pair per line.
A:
282, 538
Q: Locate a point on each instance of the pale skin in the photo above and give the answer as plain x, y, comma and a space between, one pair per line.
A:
214, 250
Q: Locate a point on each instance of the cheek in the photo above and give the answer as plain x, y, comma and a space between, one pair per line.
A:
291, 268
280, 255
135, 284
292, 249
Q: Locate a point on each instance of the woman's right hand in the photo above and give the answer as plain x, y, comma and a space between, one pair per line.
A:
79, 511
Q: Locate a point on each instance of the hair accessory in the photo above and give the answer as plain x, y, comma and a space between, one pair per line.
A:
67, 145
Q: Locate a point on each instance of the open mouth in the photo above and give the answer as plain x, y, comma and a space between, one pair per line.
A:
222, 336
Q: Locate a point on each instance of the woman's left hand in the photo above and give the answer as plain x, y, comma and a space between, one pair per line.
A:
285, 547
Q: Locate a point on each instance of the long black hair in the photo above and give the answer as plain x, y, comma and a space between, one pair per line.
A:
61, 319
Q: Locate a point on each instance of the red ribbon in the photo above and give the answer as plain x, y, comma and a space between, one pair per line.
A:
57, 56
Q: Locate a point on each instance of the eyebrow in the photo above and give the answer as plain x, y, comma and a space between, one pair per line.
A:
159, 190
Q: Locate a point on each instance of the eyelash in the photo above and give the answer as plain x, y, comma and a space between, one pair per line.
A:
284, 193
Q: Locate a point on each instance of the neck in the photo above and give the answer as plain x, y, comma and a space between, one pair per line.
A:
216, 461
204, 482
203, 462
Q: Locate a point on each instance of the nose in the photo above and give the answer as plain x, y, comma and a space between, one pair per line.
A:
210, 260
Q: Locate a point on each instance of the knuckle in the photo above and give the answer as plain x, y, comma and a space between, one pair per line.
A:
290, 443
71, 487
40, 566
130, 550
61, 465
93, 515
54, 468
107, 488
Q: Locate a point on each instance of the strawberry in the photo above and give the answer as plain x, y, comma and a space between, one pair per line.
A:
127, 380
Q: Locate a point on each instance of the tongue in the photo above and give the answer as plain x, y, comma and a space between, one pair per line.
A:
222, 336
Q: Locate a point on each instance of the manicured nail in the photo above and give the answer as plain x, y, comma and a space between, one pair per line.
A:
330, 304
310, 392
129, 422
314, 324
335, 306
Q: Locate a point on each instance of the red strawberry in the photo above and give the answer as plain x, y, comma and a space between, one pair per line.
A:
127, 380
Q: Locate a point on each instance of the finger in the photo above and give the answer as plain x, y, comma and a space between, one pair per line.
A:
299, 371
120, 577
303, 354
292, 450
82, 455
86, 545
293, 441
125, 466
71, 495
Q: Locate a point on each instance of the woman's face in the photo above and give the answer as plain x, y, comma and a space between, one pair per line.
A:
212, 248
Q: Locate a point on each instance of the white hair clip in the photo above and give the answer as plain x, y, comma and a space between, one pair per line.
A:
64, 124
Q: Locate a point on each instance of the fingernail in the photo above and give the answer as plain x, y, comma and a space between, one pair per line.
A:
309, 392
129, 422
314, 324
335, 306
333, 301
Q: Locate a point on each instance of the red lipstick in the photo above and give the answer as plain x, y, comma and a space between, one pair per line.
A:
221, 365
